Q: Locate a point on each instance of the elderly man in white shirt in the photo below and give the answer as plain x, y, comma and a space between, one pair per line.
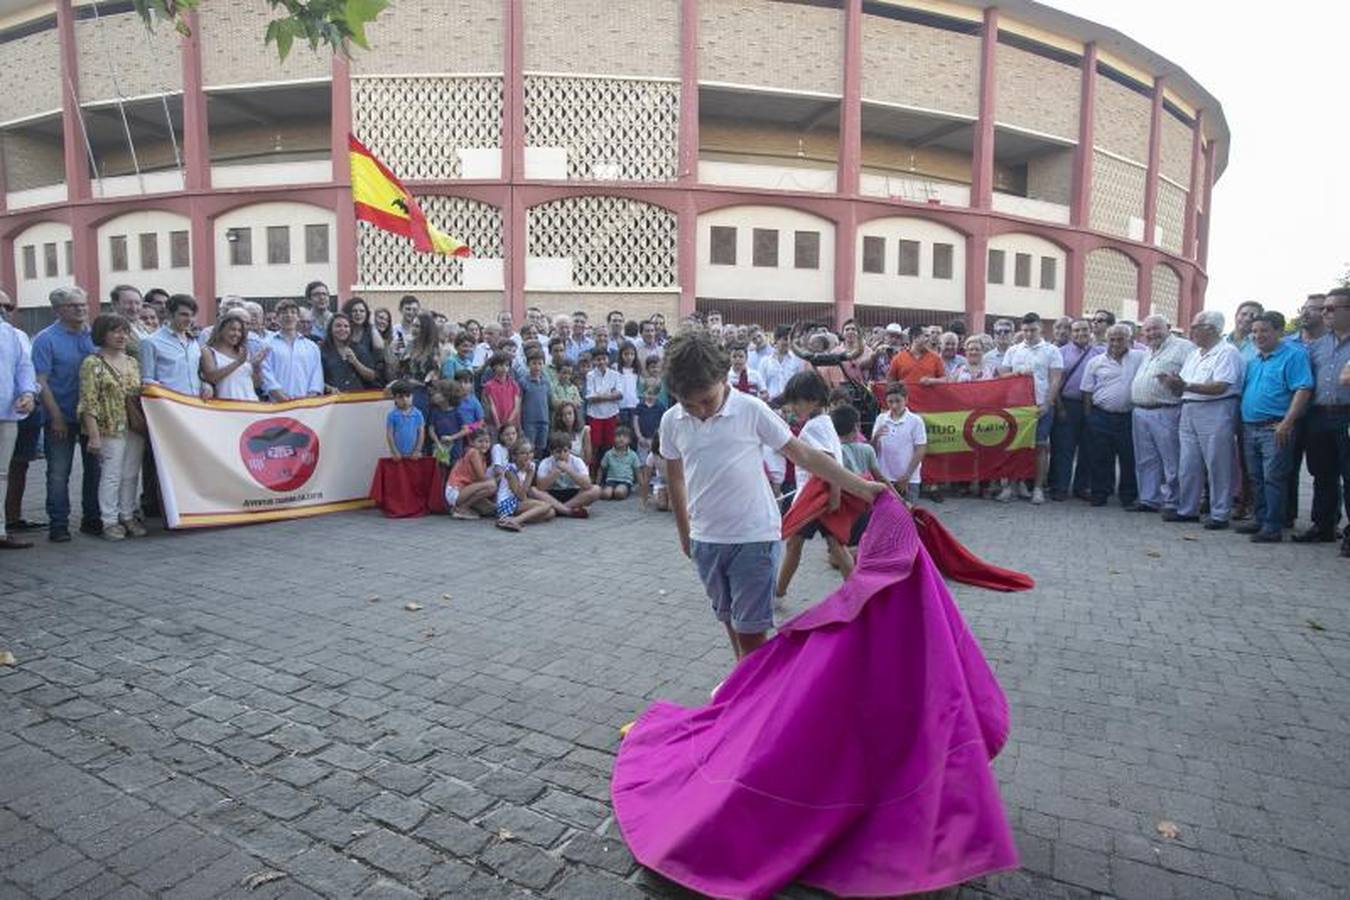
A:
1156, 418
1106, 404
1210, 385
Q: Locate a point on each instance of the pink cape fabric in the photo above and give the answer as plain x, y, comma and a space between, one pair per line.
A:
851, 752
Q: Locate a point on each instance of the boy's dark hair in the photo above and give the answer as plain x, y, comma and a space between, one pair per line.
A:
733, 347
1272, 318
840, 395
807, 387
694, 362
782, 331
400, 389
533, 354
897, 389
498, 359
626, 432
845, 419
1031, 318
559, 440
284, 304
463, 338
556, 342
105, 324
464, 375
407, 300
1110, 316
182, 301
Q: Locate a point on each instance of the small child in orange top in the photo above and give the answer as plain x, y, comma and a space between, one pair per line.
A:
470, 489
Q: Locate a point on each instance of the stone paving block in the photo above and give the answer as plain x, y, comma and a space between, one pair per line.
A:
578, 811
329, 873
135, 773
297, 771
452, 835
38, 867
406, 780
465, 802
349, 758
601, 853
343, 789
393, 854
279, 801
591, 885
512, 786
299, 738
395, 811
522, 864
524, 825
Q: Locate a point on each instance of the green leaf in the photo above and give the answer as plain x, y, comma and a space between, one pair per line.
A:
357, 14
283, 32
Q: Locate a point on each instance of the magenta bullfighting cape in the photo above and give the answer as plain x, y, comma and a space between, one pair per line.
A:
851, 752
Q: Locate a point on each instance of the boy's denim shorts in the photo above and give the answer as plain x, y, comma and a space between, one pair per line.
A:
739, 579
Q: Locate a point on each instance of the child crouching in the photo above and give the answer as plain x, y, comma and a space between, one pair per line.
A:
619, 467
515, 507
469, 489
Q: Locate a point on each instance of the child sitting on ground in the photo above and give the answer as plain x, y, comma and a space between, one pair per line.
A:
653, 478
445, 430
515, 507
403, 427
500, 457
469, 490
562, 480
900, 439
619, 466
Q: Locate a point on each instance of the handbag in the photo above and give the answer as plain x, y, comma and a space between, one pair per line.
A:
135, 414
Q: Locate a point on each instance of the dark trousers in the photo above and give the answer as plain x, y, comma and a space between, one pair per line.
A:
1069, 438
1329, 461
1298, 447
1110, 439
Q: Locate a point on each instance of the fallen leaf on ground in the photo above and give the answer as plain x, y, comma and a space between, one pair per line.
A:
445, 596
429, 633
372, 599
1312, 623
1113, 571
412, 607
358, 832
258, 879
1156, 554
1169, 830
1189, 537
504, 835
7, 658
661, 592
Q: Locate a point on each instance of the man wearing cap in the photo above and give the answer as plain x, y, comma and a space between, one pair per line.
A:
1156, 418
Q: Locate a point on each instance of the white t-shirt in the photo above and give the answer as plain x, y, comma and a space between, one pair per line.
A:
606, 383
628, 383
754, 378
1037, 361
897, 444
776, 373
1222, 362
730, 501
499, 458
565, 481
818, 432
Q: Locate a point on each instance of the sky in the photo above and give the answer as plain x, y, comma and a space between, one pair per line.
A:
1276, 234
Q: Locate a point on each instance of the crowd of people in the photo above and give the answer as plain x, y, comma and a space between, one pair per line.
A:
547, 418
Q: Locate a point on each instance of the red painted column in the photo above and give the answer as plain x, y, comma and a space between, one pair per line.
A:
850, 111
84, 240
1154, 164
9, 275
513, 160
196, 129
202, 237
688, 158
977, 255
1075, 279
341, 126
845, 263
982, 159
686, 255
1080, 206
1144, 289
1202, 255
1193, 190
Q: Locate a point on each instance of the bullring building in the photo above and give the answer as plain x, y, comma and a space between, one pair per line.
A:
906, 160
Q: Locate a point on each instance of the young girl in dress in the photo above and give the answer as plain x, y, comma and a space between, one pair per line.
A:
469, 490
567, 417
630, 378
515, 507
226, 365
807, 396
653, 478
507, 436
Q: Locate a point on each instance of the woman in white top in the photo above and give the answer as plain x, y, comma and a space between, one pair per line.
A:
226, 364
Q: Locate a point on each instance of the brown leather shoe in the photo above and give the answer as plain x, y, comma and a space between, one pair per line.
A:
9, 543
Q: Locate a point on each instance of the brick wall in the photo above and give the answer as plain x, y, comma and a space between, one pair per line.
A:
1109, 277
1117, 194
31, 161
639, 37
418, 37
918, 66
30, 78
233, 51
1171, 215
1176, 149
118, 51
1121, 120
780, 45
1050, 177
597, 305
456, 305
1036, 93
1166, 292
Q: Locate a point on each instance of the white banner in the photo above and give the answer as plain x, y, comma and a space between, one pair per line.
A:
225, 462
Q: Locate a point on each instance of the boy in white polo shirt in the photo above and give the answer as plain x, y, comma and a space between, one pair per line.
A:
728, 522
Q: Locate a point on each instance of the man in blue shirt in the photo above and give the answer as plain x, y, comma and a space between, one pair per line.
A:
1275, 391
1329, 423
58, 351
171, 357
18, 388
292, 368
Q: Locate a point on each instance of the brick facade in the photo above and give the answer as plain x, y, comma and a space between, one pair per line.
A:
1121, 120
456, 305
1037, 93
233, 51
30, 79
635, 306
1117, 194
1176, 149
778, 45
1050, 177
1110, 278
30, 161
417, 37
117, 53
918, 66
644, 40
1166, 295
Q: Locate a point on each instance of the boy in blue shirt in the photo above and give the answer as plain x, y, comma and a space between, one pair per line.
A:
470, 408
535, 391
404, 427
647, 418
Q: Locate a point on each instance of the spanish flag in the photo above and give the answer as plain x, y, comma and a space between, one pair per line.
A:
383, 201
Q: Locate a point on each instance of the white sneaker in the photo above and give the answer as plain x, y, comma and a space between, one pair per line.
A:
1005, 495
133, 528
1022, 492
1037, 497
114, 532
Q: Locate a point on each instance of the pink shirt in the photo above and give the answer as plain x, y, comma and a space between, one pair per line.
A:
501, 395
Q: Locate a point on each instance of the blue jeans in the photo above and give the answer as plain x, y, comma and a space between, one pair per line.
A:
537, 434
1268, 467
60, 460
1069, 438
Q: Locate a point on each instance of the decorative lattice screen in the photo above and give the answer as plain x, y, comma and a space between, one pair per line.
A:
613, 242
1110, 278
1117, 194
1171, 214
612, 128
385, 259
1166, 295
416, 125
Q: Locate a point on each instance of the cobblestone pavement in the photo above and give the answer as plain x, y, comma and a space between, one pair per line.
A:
189, 710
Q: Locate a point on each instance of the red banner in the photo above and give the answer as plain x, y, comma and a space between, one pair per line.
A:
977, 430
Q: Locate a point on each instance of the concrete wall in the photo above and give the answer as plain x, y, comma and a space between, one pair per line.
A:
780, 45
132, 226
420, 37
744, 280
118, 52
914, 65
907, 291
1007, 299
30, 161
1036, 93
261, 279
34, 291
30, 78
233, 51
1121, 120
644, 40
